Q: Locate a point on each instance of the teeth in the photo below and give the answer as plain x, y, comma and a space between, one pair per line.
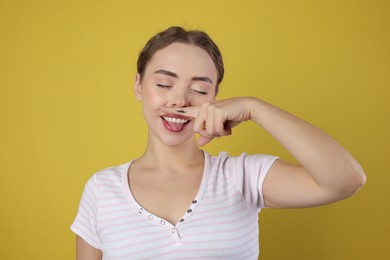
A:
175, 120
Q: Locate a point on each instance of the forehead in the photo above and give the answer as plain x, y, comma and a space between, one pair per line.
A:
184, 60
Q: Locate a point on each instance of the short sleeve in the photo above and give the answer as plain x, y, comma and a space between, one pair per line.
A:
248, 172
85, 224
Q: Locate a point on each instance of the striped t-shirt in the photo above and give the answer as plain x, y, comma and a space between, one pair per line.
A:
221, 221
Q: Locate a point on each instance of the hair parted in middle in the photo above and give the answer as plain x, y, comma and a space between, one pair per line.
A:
178, 34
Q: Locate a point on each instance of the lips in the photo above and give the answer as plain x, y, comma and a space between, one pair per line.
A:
175, 123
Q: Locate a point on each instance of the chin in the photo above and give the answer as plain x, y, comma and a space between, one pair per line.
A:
176, 142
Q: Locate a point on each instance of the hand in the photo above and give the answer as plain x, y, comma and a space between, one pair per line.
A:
216, 118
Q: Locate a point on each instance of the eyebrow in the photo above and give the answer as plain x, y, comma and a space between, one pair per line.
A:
172, 74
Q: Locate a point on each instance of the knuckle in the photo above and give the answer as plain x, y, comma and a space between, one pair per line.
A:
210, 132
221, 132
206, 105
211, 109
218, 112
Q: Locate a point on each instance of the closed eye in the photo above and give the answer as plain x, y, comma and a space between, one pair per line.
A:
200, 92
163, 86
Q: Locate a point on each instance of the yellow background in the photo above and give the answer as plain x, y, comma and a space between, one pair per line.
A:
67, 108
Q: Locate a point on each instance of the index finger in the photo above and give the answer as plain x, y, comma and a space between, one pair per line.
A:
182, 111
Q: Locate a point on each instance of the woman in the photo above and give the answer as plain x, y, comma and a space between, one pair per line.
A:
177, 201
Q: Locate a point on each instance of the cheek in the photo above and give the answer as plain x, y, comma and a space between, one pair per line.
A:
200, 100
151, 97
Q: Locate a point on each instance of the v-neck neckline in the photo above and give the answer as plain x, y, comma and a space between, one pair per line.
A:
156, 219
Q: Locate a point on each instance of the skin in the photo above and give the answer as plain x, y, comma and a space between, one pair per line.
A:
326, 171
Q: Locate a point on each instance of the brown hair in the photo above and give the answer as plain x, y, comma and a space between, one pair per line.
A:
178, 34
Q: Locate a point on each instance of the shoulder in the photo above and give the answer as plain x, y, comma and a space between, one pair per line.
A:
113, 172
111, 176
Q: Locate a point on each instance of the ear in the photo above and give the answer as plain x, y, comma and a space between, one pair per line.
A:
138, 87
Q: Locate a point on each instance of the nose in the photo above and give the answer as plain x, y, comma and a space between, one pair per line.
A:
178, 99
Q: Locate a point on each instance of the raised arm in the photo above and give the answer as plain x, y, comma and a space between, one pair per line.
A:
326, 172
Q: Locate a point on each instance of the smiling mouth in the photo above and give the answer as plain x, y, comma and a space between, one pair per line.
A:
174, 124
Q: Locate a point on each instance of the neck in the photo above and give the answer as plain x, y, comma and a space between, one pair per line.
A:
162, 156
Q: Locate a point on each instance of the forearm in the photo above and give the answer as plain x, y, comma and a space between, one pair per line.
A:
329, 164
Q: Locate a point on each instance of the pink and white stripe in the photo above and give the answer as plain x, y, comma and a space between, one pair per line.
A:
223, 222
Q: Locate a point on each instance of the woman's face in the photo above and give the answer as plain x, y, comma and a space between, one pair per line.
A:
177, 76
